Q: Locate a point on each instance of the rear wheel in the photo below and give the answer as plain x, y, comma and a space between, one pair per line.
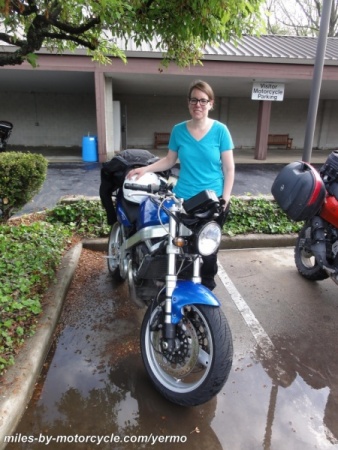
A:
114, 251
304, 258
200, 364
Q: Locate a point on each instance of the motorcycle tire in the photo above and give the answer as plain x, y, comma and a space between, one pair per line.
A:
113, 260
199, 368
305, 261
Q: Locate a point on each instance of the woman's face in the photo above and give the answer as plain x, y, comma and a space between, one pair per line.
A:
197, 109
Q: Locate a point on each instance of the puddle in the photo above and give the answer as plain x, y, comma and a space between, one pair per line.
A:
94, 387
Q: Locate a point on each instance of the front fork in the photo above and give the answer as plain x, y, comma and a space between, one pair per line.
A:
171, 281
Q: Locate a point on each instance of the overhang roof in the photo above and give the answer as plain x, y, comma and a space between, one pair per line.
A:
275, 48
284, 59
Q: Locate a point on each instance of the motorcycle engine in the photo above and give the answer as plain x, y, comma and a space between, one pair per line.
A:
151, 262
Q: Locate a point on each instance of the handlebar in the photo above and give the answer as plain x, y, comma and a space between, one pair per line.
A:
150, 188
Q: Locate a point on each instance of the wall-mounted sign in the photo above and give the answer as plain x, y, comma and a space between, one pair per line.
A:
265, 90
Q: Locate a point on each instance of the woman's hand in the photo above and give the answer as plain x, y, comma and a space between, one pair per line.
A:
138, 172
226, 202
159, 166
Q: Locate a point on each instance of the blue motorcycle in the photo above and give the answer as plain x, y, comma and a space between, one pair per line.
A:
156, 244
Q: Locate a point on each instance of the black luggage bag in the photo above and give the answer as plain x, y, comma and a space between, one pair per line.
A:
113, 173
299, 190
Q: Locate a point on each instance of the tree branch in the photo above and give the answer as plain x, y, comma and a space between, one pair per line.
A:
67, 28
67, 37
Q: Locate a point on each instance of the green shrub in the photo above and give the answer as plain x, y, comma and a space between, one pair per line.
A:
21, 177
84, 217
258, 215
30, 255
251, 215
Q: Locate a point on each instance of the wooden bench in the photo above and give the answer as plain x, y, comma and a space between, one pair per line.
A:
161, 139
280, 139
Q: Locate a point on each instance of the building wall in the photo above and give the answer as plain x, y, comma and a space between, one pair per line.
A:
287, 117
147, 115
327, 135
242, 121
47, 119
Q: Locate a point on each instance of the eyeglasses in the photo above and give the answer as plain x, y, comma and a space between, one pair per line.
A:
201, 101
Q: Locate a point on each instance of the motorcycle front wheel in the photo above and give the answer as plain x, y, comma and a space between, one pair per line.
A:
200, 364
304, 258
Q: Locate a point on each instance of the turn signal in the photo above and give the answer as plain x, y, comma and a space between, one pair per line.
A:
179, 242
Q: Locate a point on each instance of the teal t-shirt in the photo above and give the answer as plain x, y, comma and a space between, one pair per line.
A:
201, 165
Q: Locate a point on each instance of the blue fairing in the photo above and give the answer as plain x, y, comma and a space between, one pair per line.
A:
189, 293
149, 214
121, 216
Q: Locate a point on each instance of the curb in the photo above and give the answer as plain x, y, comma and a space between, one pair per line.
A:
227, 243
19, 381
258, 241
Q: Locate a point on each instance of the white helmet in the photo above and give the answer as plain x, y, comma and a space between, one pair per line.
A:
139, 196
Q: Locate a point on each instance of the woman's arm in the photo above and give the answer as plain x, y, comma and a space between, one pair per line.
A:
159, 166
228, 165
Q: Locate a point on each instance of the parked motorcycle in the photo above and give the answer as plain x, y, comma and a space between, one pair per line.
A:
156, 245
307, 195
5, 132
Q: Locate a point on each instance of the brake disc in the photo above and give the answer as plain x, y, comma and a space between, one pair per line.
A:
182, 361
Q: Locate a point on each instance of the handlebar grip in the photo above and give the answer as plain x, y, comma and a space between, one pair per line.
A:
140, 187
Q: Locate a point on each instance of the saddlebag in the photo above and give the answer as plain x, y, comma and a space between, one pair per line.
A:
299, 190
329, 174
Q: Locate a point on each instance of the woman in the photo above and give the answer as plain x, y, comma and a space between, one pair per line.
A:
205, 149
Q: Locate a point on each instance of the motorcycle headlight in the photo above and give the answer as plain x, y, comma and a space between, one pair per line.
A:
209, 238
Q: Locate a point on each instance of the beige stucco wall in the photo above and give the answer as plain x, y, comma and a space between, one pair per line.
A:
46, 119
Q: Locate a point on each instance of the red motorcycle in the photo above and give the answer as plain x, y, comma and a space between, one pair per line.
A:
308, 195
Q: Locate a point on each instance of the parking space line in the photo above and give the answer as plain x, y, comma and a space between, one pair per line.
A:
256, 329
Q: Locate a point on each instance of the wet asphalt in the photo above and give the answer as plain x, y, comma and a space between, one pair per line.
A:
84, 179
281, 392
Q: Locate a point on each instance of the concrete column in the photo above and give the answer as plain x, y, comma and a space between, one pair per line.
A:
109, 117
264, 113
100, 92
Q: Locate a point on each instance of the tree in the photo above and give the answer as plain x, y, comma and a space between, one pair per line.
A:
180, 27
299, 17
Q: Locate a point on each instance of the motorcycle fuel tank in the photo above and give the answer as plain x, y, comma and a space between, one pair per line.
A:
151, 214
299, 190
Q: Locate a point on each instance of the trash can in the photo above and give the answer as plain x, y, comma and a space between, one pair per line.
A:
89, 148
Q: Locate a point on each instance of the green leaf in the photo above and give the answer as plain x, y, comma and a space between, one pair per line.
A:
32, 59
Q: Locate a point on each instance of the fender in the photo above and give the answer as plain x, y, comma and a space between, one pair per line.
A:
189, 293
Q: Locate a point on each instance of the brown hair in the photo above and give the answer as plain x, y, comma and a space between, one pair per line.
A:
202, 86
